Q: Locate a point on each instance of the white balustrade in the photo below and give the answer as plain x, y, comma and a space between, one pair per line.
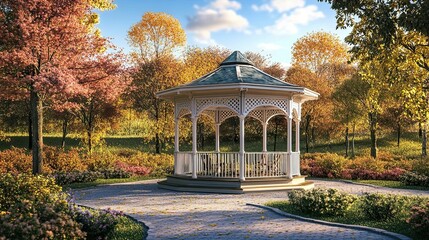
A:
226, 165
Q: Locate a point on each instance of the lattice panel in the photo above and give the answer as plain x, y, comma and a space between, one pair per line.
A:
252, 103
183, 112
232, 103
210, 113
182, 108
257, 114
225, 114
274, 112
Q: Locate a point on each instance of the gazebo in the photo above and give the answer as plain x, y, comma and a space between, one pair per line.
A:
237, 88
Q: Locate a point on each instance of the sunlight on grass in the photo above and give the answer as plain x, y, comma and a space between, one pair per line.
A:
106, 181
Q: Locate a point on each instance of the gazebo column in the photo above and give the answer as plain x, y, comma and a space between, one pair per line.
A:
297, 142
241, 153
176, 145
194, 146
217, 143
264, 136
289, 147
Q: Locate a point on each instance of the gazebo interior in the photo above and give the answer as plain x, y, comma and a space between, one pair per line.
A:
237, 89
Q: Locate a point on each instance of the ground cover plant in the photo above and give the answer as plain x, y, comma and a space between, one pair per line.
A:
34, 207
395, 213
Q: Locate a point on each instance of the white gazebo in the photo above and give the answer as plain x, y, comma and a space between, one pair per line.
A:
237, 88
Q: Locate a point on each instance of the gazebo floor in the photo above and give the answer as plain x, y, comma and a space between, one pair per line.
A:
186, 183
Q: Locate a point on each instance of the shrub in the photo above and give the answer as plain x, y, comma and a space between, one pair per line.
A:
414, 179
419, 220
58, 160
136, 170
328, 202
377, 206
15, 161
98, 224
108, 174
64, 178
34, 206
421, 166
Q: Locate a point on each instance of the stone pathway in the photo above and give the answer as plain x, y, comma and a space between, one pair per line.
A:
180, 215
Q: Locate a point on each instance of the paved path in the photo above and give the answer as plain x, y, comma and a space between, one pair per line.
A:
179, 215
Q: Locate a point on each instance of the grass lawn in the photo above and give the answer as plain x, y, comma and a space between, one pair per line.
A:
353, 216
391, 184
128, 229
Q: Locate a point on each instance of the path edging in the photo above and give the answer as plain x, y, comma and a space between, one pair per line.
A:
356, 227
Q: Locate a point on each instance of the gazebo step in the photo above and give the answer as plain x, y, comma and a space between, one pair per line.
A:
214, 185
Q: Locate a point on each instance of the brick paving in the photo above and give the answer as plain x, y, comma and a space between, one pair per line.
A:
181, 215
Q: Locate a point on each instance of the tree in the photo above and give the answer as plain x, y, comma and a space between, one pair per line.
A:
319, 62
44, 45
350, 100
156, 35
154, 39
263, 62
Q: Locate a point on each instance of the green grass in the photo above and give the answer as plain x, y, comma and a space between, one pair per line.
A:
106, 181
391, 184
353, 216
128, 229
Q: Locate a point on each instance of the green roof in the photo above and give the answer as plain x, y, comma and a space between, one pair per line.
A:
238, 69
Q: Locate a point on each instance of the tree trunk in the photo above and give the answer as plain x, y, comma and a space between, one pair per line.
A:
89, 135
420, 130
373, 132
353, 140
399, 133
275, 135
347, 143
424, 142
30, 131
63, 139
307, 132
157, 144
37, 131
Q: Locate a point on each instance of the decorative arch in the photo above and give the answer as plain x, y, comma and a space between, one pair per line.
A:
264, 115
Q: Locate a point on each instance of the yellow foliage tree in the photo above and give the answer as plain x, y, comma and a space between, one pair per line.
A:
156, 35
319, 62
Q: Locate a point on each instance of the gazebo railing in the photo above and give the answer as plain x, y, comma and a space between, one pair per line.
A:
226, 165
265, 164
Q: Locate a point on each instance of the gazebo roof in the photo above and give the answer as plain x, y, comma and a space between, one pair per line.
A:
237, 71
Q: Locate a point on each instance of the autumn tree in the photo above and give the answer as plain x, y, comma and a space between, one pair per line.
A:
264, 63
319, 62
44, 46
382, 27
156, 35
154, 40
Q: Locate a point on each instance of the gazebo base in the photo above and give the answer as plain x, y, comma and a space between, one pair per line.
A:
186, 183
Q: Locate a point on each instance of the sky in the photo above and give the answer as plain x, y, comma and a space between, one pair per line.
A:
266, 26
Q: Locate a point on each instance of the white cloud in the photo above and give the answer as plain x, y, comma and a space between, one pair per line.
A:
279, 5
219, 15
269, 46
288, 24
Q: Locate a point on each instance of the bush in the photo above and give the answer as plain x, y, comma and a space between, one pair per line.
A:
108, 174
15, 161
98, 224
329, 202
419, 220
329, 165
64, 178
34, 207
58, 160
414, 179
421, 166
378, 207
135, 170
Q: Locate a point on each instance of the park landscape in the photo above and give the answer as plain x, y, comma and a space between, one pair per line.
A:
84, 137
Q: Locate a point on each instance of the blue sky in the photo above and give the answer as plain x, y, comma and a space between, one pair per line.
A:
267, 26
